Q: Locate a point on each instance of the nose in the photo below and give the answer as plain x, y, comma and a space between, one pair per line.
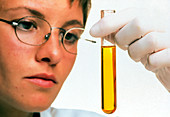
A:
50, 52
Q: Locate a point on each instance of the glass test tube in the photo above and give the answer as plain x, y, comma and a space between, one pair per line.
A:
108, 70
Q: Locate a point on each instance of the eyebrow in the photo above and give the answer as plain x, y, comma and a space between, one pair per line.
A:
72, 22
38, 14
32, 11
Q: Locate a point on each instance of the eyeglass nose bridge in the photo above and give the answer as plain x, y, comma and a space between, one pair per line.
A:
47, 36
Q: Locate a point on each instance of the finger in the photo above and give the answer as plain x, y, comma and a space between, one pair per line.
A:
145, 61
152, 42
160, 59
134, 30
112, 23
164, 77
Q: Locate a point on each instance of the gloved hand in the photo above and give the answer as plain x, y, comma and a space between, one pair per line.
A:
144, 34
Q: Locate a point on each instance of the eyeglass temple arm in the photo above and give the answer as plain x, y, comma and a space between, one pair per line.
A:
9, 22
90, 41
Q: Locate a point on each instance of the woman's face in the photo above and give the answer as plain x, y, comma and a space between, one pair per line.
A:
31, 76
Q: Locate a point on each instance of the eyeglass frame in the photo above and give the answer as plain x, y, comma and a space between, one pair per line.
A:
14, 24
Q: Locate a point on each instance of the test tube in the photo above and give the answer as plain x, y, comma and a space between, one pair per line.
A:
108, 70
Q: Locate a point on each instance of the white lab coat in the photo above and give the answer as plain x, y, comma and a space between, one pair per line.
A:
52, 112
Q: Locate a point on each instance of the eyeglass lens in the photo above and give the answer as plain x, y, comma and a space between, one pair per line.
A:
33, 31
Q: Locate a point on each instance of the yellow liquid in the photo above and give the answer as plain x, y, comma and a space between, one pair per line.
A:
108, 60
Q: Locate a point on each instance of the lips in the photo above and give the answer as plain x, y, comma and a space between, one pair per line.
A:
42, 80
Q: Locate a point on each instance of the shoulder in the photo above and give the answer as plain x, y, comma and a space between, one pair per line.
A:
52, 112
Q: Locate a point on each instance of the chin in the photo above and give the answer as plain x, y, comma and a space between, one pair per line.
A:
39, 109
36, 104
34, 108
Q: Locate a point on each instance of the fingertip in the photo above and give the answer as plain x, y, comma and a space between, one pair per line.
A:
95, 30
103, 27
100, 29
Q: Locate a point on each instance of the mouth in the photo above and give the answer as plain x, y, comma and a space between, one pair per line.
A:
42, 80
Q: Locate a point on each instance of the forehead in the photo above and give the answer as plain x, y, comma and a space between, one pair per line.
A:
40, 4
51, 9
7, 3
47, 7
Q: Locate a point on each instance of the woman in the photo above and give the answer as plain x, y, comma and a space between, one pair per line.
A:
37, 52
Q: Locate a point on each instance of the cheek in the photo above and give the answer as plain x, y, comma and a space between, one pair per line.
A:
71, 60
9, 41
14, 55
66, 66
10, 44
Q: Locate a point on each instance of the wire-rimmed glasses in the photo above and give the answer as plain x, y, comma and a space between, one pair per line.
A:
36, 31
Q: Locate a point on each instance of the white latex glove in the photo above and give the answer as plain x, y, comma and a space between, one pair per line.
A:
144, 34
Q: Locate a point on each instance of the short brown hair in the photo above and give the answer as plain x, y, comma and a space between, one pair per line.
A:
86, 5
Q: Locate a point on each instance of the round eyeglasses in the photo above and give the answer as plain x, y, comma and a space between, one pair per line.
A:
35, 31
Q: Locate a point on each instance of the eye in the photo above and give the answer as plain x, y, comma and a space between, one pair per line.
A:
71, 38
27, 25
